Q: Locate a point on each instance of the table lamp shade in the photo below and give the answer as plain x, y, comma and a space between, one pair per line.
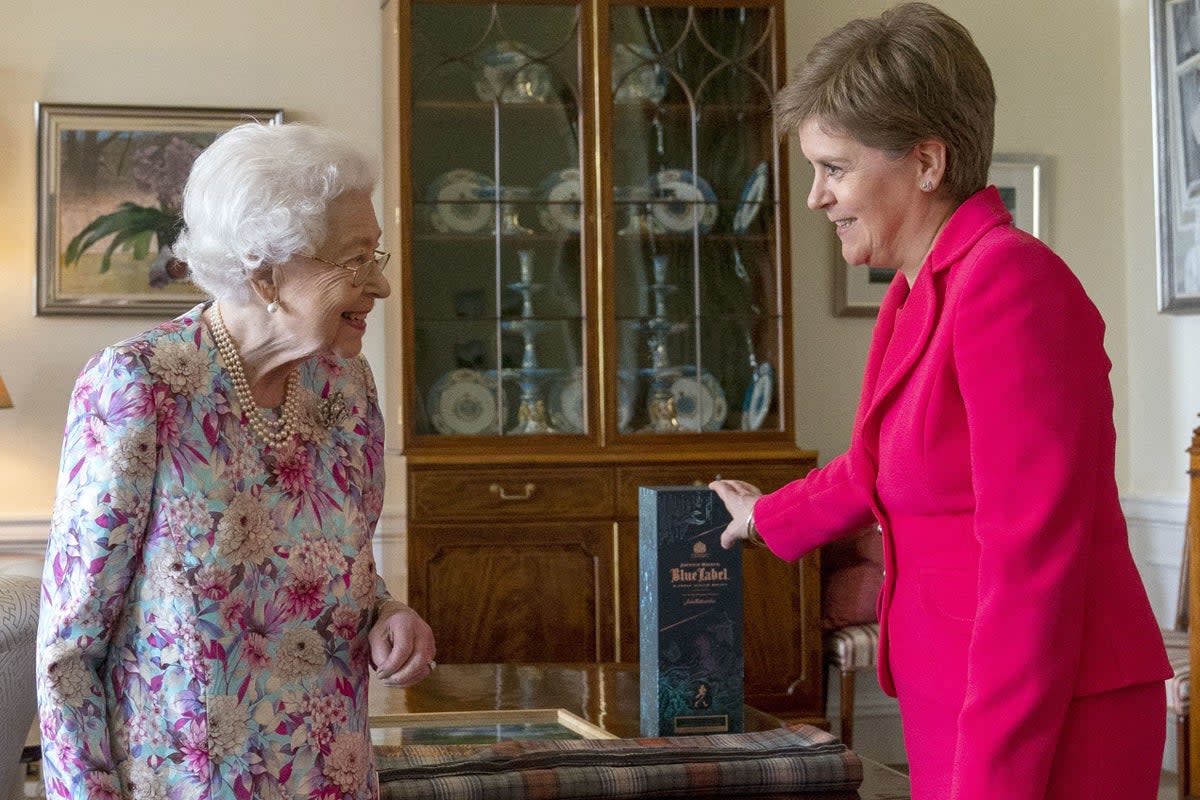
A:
5, 400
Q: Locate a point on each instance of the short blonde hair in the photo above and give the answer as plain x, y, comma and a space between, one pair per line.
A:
910, 75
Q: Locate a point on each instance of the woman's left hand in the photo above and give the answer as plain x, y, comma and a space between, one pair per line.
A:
402, 646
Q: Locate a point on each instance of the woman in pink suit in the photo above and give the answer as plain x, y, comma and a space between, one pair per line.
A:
1015, 630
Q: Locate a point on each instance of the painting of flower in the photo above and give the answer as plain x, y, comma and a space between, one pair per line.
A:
110, 188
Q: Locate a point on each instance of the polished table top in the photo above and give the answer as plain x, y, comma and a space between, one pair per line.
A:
604, 694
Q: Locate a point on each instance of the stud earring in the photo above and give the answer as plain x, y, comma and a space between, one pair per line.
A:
927, 186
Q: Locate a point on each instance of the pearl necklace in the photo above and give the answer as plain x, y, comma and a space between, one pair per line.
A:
273, 432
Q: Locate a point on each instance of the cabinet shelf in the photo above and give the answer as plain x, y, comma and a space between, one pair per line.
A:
489, 239
563, 236
644, 109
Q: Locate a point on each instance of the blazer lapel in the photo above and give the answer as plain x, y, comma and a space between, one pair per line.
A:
911, 334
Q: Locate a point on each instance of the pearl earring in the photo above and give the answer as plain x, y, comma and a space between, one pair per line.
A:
927, 186
273, 306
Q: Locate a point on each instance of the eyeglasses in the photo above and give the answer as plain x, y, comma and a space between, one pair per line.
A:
362, 270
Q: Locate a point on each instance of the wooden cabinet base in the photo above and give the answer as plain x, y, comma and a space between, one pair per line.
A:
549, 572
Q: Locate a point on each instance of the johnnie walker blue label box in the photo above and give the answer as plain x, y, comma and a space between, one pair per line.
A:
691, 614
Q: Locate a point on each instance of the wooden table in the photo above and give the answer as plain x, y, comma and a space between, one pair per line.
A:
604, 694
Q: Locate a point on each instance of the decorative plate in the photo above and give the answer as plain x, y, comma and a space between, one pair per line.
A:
680, 200
699, 404
637, 75
566, 403
752, 197
562, 192
463, 402
511, 76
758, 397
458, 201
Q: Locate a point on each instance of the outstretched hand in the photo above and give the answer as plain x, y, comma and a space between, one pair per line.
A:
739, 498
402, 646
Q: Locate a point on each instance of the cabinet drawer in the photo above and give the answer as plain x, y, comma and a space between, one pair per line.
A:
511, 494
767, 477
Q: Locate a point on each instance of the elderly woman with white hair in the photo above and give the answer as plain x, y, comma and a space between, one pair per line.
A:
211, 606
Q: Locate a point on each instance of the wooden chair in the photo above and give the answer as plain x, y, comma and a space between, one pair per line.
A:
850, 649
1182, 645
19, 596
851, 574
1178, 645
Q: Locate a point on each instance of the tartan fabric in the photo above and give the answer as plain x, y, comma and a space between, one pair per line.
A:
1179, 652
795, 759
852, 647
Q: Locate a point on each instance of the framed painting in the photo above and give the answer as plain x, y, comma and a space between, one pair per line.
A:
1175, 56
110, 182
1023, 182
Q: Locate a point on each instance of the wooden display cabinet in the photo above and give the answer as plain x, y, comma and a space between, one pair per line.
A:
586, 201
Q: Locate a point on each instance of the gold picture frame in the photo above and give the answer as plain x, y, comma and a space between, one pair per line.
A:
110, 180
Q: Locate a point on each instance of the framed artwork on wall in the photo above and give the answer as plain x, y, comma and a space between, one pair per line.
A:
1175, 56
110, 182
1023, 182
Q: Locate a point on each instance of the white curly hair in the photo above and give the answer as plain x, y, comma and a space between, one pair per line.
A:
257, 196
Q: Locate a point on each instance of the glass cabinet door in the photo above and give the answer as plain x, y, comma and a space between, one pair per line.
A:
696, 251
496, 187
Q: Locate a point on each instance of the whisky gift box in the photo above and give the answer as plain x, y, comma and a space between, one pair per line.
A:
691, 615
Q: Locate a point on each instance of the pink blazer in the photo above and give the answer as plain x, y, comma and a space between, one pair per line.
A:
984, 446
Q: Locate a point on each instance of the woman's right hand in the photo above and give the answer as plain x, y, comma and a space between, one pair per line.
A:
739, 498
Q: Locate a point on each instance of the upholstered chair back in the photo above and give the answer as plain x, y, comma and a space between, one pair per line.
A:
18, 698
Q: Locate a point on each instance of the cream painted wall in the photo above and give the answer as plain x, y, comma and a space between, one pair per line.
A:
317, 59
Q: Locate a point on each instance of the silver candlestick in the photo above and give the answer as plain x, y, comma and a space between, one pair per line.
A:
531, 414
664, 416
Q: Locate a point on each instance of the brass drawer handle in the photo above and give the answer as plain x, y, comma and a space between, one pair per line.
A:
498, 490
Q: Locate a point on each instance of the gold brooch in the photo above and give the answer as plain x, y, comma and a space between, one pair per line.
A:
332, 411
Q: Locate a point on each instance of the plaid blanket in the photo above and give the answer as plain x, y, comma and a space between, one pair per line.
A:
796, 759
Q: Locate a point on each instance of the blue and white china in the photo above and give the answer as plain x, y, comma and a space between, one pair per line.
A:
510, 198
463, 402
635, 199
751, 200
637, 75
680, 201
566, 403
699, 403
561, 194
459, 198
512, 76
758, 397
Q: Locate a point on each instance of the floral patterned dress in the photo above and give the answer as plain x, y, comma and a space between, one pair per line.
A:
206, 598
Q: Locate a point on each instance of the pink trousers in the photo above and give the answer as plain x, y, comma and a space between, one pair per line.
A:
1111, 747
